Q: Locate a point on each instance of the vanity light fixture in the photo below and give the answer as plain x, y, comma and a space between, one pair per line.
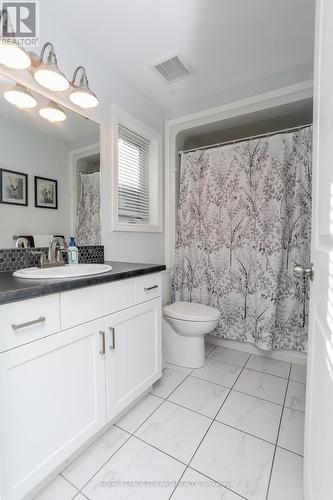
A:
11, 55
20, 97
52, 112
47, 74
82, 96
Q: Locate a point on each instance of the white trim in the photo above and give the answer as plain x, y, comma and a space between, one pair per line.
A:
295, 89
299, 358
118, 115
74, 156
285, 95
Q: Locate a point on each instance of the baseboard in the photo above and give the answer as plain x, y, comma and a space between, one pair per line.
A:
299, 358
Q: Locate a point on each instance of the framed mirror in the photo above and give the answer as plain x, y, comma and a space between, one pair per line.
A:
49, 170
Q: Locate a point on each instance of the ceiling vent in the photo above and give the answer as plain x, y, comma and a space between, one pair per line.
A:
172, 69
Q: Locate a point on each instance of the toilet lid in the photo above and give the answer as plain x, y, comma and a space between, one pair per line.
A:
191, 311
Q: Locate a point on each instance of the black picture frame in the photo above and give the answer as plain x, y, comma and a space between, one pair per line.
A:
7, 200
52, 203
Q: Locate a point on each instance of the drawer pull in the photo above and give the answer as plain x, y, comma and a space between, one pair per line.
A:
113, 337
41, 319
149, 288
102, 334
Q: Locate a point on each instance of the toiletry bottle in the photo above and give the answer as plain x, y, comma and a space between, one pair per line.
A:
73, 252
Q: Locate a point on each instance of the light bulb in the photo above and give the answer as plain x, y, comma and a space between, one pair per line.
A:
13, 56
82, 95
84, 98
52, 112
20, 97
51, 78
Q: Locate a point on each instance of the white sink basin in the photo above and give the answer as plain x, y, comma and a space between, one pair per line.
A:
68, 271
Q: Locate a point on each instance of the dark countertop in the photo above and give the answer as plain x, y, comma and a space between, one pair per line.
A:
14, 289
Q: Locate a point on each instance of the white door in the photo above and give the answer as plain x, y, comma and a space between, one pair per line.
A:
52, 399
133, 353
318, 456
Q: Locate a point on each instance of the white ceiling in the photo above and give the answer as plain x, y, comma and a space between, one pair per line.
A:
235, 47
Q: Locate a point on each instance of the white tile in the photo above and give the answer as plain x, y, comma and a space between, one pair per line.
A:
298, 373
209, 348
87, 464
292, 431
136, 472
267, 365
195, 486
218, 372
262, 385
236, 460
177, 368
56, 489
175, 430
255, 416
287, 477
79, 496
232, 356
168, 383
200, 395
296, 396
138, 414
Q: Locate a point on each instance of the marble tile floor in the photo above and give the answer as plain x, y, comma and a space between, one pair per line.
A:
229, 431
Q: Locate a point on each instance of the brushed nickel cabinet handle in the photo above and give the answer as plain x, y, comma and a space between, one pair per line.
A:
147, 289
41, 319
113, 337
102, 351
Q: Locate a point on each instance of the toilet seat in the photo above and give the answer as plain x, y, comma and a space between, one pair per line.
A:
191, 311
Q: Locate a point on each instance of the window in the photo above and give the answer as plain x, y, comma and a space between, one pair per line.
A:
133, 176
136, 174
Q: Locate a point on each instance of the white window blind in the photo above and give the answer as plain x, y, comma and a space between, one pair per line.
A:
133, 176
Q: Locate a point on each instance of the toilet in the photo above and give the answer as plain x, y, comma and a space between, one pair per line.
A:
184, 326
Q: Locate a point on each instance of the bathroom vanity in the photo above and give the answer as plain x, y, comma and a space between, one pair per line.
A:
75, 353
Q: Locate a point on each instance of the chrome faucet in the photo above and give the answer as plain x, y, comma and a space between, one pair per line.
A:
55, 257
55, 254
22, 242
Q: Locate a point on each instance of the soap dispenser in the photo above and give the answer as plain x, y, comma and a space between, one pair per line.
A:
73, 252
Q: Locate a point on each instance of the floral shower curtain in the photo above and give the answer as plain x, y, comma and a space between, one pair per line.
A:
244, 221
88, 229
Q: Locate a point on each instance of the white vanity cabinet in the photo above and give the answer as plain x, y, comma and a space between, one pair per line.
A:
62, 387
52, 400
133, 354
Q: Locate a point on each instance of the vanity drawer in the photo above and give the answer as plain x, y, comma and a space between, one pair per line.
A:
92, 302
147, 287
28, 320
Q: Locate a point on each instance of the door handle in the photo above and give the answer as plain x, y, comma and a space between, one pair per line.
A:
300, 271
102, 334
113, 337
149, 288
41, 319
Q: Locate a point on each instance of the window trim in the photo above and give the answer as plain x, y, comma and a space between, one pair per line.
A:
121, 117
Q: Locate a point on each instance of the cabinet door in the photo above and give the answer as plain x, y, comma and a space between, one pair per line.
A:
52, 400
133, 353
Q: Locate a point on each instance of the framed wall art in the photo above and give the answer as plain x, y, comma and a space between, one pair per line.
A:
13, 187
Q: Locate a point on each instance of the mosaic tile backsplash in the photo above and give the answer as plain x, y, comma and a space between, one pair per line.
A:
12, 259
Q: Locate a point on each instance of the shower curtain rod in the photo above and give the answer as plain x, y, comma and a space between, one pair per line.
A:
235, 141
